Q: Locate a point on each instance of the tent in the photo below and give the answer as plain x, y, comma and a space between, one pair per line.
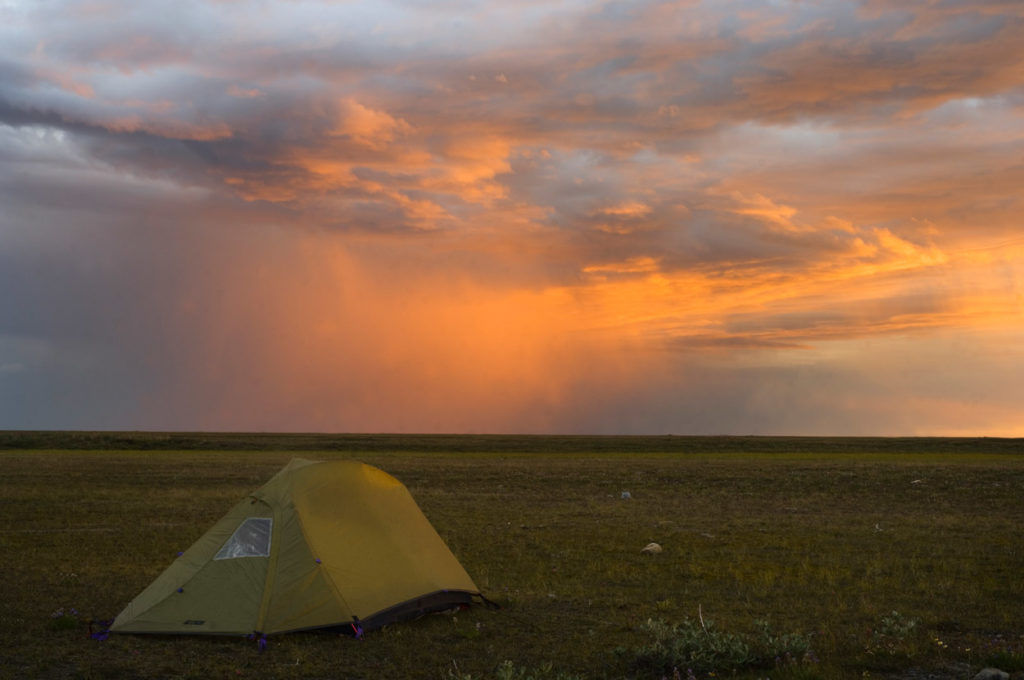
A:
322, 544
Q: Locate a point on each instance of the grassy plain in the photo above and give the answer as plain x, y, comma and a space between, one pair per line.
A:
825, 538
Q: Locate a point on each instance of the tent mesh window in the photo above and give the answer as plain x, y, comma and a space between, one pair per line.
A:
251, 539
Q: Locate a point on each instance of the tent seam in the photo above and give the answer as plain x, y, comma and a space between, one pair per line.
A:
325, 572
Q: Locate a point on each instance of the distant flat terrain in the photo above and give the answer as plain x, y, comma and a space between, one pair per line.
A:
823, 538
547, 444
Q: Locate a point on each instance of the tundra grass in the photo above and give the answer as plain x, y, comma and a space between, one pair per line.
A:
890, 564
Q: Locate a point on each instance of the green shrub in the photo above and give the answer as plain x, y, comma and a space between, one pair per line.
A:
785, 646
61, 620
508, 671
1007, 659
893, 635
702, 648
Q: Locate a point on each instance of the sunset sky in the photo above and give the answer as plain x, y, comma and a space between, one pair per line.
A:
720, 217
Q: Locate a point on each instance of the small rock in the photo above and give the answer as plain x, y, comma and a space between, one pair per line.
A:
626, 495
651, 549
992, 674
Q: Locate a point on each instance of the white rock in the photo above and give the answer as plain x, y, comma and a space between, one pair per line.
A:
651, 548
992, 674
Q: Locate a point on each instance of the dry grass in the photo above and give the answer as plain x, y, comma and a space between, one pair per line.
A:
825, 541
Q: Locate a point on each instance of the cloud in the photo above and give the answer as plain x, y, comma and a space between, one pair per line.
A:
236, 91
634, 265
373, 128
570, 217
763, 208
628, 209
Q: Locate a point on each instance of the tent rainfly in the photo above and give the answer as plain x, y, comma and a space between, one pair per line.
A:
322, 544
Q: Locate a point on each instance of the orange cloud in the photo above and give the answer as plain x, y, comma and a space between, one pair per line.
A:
634, 265
766, 209
362, 339
370, 127
900, 288
627, 209
469, 165
475, 227
172, 129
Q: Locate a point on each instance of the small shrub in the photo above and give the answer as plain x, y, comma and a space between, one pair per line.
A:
455, 674
897, 641
786, 645
896, 626
61, 620
893, 635
705, 649
508, 671
1006, 657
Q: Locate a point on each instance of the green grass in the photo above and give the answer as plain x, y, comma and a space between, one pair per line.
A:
822, 538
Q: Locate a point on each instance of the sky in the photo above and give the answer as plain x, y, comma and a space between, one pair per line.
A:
727, 217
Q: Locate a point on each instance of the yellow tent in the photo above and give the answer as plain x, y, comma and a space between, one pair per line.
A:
319, 545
